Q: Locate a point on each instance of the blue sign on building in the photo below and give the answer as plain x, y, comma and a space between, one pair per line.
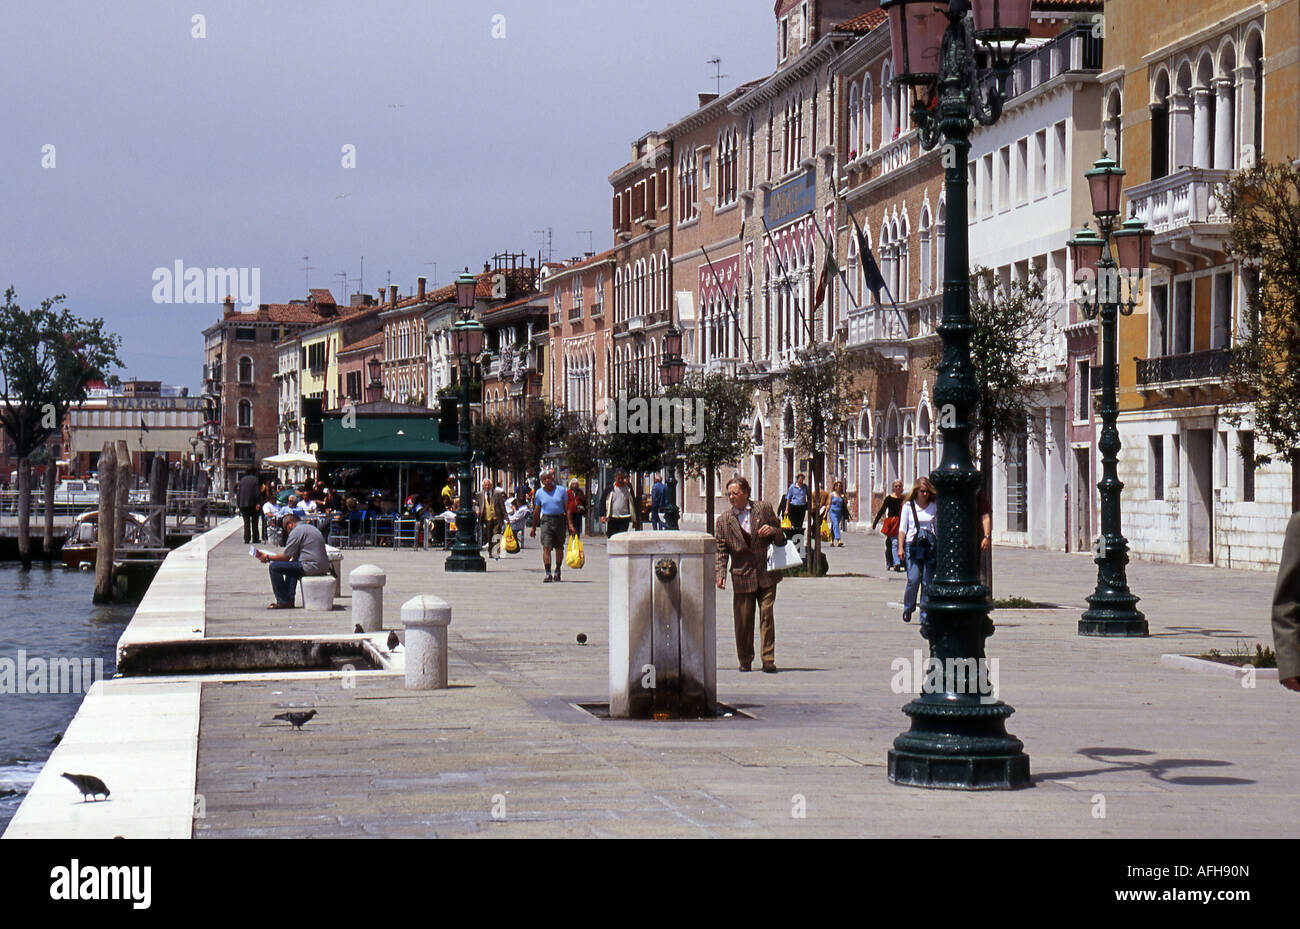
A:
793, 198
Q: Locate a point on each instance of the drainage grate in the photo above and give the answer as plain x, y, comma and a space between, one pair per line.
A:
724, 712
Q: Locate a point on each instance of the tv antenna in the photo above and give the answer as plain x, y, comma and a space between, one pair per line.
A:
306, 272
587, 233
718, 75
433, 282
545, 235
343, 281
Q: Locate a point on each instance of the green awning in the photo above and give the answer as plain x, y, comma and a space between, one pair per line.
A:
383, 439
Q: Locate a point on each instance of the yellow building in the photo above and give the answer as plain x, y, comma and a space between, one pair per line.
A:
1194, 91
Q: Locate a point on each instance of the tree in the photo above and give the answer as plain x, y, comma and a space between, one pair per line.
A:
48, 358
821, 387
719, 409
1263, 205
1012, 323
628, 443
515, 442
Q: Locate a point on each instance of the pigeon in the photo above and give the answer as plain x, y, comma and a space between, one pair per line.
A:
88, 784
297, 720
58, 737
393, 641
358, 630
582, 638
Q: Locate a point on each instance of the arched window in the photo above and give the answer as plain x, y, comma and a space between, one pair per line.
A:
1252, 99
939, 233
1160, 126
749, 154
927, 282
245, 369
650, 287
866, 114
1112, 126
245, 412
887, 126
663, 273
854, 141
618, 294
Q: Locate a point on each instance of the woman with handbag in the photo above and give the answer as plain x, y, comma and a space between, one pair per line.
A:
837, 512
891, 509
918, 540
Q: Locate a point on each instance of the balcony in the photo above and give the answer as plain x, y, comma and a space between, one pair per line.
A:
597, 310
575, 314
1075, 50
1180, 206
1194, 369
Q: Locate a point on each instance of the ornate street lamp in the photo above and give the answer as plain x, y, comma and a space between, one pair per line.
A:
671, 371
958, 737
1110, 288
467, 345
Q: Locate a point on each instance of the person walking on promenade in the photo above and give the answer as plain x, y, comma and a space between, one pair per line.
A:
304, 555
891, 509
491, 507
658, 502
620, 506
577, 505
1286, 608
551, 509
837, 513
796, 499
742, 534
918, 543
247, 497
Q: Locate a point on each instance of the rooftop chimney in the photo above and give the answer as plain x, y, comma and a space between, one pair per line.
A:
228, 307
419, 287
392, 294
707, 98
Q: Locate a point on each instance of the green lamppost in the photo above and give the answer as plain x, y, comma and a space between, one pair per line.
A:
958, 737
671, 371
1112, 608
467, 345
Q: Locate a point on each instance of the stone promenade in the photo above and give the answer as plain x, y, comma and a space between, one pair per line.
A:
1120, 745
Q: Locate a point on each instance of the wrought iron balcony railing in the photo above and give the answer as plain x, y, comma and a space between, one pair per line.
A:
1193, 366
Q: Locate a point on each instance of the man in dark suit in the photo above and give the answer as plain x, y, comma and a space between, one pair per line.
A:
247, 498
1286, 608
490, 504
743, 533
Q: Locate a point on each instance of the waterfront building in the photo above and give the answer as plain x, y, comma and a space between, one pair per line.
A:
579, 344
1193, 92
154, 420
240, 360
402, 370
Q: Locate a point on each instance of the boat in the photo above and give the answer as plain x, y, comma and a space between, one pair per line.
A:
82, 543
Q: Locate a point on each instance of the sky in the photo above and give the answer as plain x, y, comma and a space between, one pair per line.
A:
136, 136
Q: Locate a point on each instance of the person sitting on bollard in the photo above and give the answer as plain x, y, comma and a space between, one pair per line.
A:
304, 555
743, 534
518, 516
551, 508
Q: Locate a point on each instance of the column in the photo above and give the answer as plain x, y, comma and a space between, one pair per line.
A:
1201, 129
1246, 112
1224, 122
1180, 131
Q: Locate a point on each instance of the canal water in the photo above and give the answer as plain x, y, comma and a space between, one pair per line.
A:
47, 615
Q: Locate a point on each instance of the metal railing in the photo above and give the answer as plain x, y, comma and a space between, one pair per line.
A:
1193, 366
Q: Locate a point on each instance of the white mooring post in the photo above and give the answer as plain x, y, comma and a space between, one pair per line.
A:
426, 619
367, 583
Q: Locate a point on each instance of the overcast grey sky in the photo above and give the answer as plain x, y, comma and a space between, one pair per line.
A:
227, 150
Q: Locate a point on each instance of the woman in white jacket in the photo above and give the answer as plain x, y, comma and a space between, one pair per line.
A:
918, 540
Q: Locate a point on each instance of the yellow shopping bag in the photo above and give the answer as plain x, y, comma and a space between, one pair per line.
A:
785, 523
574, 557
825, 531
509, 541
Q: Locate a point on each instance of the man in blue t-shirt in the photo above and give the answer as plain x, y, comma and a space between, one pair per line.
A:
551, 509
658, 502
796, 500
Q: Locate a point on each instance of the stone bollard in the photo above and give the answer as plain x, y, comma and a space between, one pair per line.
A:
367, 583
336, 568
662, 633
426, 619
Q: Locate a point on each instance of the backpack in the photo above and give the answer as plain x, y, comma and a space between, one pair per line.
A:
923, 547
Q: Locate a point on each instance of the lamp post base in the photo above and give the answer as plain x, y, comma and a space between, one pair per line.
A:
470, 562
1114, 616
958, 746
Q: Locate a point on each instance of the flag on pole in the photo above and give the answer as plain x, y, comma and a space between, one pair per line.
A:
829, 270
143, 426
871, 270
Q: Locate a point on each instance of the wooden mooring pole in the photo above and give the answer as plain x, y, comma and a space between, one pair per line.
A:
106, 541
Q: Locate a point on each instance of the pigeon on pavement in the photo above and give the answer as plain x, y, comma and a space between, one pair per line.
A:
296, 720
88, 784
358, 630
393, 641
582, 638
